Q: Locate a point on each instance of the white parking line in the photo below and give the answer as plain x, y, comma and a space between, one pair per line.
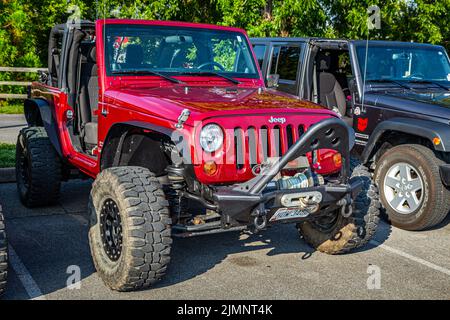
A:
411, 257
24, 276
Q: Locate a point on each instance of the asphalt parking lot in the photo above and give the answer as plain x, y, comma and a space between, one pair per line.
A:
274, 265
10, 125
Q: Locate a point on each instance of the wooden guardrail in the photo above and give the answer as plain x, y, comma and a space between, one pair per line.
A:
17, 83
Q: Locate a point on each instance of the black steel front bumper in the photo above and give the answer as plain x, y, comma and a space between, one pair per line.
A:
445, 174
244, 202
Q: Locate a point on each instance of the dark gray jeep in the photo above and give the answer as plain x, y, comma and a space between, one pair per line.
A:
396, 95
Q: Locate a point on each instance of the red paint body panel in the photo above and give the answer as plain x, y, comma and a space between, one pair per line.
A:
59, 102
154, 100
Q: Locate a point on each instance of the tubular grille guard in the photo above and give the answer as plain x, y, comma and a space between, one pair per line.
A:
331, 133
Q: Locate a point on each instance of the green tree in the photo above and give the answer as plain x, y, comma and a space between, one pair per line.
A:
181, 10
25, 24
402, 20
44, 14
275, 17
16, 45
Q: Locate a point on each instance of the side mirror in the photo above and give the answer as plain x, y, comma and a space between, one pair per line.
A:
43, 76
352, 84
272, 80
353, 87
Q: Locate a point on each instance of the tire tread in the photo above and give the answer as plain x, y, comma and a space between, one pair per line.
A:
147, 215
46, 168
359, 228
441, 198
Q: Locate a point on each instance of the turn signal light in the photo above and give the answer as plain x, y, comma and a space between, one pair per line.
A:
436, 141
210, 168
337, 159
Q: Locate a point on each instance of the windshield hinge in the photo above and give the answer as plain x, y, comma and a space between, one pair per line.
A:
183, 118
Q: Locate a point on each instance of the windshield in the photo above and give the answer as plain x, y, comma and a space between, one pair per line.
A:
407, 63
133, 49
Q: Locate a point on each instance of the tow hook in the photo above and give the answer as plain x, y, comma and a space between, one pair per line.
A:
346, 211
346, 208
260, 223
260, 220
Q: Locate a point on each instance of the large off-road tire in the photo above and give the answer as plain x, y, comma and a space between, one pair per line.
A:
130, 235
38, 168
336, 234
3, 255
411, 189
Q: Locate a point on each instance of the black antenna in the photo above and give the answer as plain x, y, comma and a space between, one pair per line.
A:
363, 110
373, 22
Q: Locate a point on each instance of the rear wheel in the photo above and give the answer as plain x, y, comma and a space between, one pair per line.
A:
335, 234
130, 228
411, 189
38, 168
3, 255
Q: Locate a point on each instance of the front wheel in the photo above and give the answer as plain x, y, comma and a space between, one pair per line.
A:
411, 189
335, 234
129, 232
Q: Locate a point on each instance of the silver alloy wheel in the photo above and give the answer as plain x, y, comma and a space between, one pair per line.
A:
403, 188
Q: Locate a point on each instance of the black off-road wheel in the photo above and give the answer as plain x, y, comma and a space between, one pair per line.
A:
38, 168
336, 234
411, 189
130, 235
3, 255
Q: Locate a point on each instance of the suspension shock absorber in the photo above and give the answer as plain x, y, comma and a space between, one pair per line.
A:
175, 174
178, 207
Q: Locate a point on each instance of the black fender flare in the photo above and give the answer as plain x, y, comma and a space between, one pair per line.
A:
178, 137
38, 112
417, 127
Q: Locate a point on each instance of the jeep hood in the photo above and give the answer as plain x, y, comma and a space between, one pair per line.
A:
435, 103
205, 102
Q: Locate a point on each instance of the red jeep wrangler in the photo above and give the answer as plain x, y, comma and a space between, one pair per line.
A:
174, 123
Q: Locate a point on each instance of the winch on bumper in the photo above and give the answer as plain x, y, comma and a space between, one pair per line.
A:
262, 200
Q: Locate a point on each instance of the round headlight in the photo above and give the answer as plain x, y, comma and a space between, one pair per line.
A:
211, 137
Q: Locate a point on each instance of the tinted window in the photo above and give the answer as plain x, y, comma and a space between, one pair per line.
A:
404, 63
260, 51
274, 62
288, 64
285, 62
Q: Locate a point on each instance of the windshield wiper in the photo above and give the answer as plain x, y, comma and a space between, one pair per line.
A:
147, 72
390, 81
429, 82
212, 73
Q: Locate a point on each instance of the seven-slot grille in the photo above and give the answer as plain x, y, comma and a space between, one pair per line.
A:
253, 145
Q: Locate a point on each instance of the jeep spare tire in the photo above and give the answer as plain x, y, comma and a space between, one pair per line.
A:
411, 189
3, 255
38, 168
336, 234
129, 236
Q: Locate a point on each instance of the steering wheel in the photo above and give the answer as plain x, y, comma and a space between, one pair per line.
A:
214, 64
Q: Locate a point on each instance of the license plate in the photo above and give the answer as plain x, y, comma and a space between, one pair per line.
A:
289, 213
